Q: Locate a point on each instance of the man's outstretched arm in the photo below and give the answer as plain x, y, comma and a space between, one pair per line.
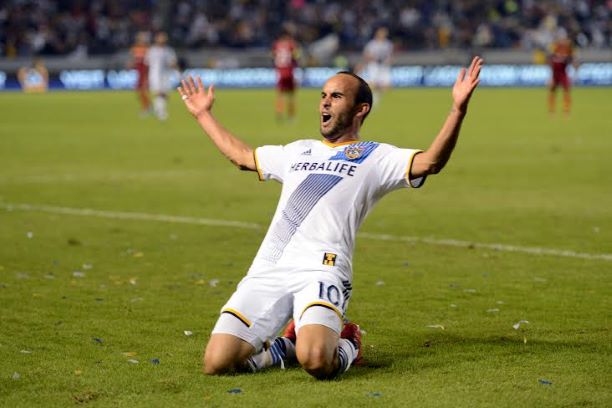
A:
432, 160
199, 103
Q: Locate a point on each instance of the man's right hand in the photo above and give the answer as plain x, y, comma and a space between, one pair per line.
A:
195, 96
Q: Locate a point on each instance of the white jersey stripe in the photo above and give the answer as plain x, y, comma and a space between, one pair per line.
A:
300, 203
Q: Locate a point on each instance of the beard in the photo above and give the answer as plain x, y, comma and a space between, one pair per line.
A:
342, 123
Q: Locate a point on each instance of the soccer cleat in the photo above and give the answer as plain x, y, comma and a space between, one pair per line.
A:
352, 333
290, 331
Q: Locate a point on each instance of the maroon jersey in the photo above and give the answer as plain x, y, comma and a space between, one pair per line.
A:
562, 55
138, 56
284, 51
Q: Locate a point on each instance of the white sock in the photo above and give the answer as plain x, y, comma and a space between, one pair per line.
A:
159, 104
346, 354
281, 351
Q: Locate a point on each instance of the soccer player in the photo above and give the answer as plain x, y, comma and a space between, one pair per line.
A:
161, 60
138, 54
303, 267
377, 55
562, 55
285, 52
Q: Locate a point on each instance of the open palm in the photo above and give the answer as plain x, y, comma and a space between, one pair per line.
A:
195, 96
466, 82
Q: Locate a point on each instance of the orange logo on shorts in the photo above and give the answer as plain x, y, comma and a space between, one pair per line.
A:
329, 259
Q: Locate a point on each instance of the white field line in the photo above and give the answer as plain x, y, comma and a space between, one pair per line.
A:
107, 177
247, 225
121, 215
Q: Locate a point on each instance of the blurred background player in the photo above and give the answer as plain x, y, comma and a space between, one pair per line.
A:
377, 56
285, 52
561, 56
162, 61
138, 52
34, 78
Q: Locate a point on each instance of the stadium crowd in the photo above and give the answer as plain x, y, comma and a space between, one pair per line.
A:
79, 28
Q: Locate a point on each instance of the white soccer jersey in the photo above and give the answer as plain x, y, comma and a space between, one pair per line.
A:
161, 62
379, 50
328, 189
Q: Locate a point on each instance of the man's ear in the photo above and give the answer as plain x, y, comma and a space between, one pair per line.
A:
361, 110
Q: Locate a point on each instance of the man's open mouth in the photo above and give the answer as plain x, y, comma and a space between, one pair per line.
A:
325, 117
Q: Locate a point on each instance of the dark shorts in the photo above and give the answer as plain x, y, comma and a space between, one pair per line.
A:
143, 80
560, 78
285, 84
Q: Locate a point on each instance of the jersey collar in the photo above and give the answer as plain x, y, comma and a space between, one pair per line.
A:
330, 144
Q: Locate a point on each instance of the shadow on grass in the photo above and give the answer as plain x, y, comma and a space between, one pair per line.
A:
442, 349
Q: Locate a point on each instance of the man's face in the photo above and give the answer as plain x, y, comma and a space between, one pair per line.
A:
161, 39
337, 106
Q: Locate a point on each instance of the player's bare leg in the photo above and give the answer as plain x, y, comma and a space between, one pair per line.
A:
226, 354
323, 353
290, 105
285, 105
567, 100
552, 96
280, 105
145, 102
317, 350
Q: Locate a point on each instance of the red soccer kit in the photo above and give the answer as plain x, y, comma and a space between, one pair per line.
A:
562, 56
284, 51
138, 54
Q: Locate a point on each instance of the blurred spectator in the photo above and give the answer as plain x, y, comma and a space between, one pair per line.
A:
34, 78
95, 27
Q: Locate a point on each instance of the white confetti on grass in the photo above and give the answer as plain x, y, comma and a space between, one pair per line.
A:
213, 283
436, 326
518, 324
16, 376
133, 361
188, 333
493, 310
78, 274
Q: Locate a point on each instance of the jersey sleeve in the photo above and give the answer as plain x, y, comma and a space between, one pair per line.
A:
270, 162
394, 169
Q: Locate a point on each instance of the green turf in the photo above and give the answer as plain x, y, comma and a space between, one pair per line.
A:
518, 177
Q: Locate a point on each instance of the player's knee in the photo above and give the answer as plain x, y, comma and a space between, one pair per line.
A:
316, 361
216, 363
213, 365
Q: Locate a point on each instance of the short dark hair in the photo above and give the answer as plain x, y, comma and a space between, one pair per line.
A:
364, 93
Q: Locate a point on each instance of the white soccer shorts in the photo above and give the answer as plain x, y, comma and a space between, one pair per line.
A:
264, 302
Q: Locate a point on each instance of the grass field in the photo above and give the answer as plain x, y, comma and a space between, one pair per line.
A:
94, 305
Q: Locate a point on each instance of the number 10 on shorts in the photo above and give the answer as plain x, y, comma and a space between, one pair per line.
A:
330, 293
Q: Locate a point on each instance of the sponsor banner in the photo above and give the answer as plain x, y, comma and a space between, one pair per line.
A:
588, 74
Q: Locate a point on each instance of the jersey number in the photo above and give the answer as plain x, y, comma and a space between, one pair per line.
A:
331, 294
